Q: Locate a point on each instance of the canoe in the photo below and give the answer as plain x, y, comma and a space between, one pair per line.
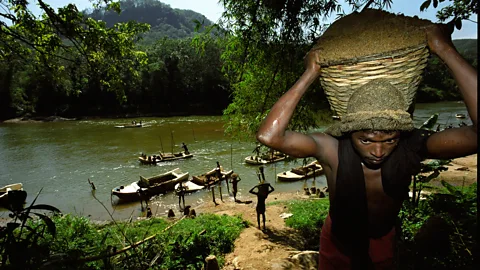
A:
164, 182
189, 186
164, 157
201, 180
302, 172
138, 125
151, 186
4, 191
131, 192
265, 159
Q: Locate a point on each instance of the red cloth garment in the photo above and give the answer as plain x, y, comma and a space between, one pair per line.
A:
381, 250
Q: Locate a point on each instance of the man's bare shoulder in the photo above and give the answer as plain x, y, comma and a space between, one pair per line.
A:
327, 147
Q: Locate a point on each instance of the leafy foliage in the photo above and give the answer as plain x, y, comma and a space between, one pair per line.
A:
21, 240
267, 41
440, 233
69, 63
80, 244
308, 217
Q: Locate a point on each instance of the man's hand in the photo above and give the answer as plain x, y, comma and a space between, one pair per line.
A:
311, 61
439, 38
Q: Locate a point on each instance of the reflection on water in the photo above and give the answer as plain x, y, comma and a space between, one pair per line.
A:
59, 158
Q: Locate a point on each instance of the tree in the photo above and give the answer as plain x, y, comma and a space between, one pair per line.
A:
71, 53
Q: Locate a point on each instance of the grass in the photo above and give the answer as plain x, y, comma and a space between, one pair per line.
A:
79, 244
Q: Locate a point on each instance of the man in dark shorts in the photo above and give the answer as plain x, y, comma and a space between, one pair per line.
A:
181, 195
370, 156
235, 179
263, 189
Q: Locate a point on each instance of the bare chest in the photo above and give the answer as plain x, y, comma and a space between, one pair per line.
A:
379, 203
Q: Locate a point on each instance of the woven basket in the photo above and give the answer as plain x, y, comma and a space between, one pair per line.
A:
403, 68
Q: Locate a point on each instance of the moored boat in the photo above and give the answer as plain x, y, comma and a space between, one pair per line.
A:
130, 192
154, 159
8, 189
165, 182
189, 187
265, 159
136, 125
303, 172
151, 186
202, 180
460, 115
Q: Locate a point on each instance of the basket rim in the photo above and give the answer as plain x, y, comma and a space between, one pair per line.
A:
372, 57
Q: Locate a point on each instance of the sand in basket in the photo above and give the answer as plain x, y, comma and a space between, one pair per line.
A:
370, 45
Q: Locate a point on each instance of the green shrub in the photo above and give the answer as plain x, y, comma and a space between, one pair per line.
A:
308, 217
450, 215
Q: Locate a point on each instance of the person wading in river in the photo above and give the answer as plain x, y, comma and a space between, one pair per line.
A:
369, 157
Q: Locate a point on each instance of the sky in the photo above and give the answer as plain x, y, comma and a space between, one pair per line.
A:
213, 11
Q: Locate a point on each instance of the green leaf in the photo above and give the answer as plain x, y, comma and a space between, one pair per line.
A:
430, 123
458, 23
52, 229
43, 207
425, 5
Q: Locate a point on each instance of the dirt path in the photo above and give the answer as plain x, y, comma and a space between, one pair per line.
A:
257, 249
271, 249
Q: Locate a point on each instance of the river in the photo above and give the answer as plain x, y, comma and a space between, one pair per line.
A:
55, 159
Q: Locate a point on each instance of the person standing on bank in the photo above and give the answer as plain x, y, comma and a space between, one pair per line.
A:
263, 189
235, 179
369, 157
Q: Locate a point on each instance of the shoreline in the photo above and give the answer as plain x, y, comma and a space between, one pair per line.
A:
461, 172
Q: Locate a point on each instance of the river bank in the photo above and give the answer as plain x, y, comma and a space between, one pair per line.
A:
57, 159
273, 249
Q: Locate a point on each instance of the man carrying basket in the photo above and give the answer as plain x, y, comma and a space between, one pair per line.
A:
369, 157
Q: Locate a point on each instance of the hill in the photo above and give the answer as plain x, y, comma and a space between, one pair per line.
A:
164, 20
467, 47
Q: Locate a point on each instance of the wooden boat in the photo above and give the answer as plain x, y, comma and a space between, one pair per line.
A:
460, 115
4, 191
189, 187
154, 159
147, 187
137, 125
164, 182
265, 158
201, 180
131, 192
302, 172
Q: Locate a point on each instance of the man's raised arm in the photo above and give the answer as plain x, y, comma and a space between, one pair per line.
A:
273, 130
454, 142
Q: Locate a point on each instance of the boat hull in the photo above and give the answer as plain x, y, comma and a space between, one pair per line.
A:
8, 189
164, 158
148, 187
130, 126
255, 160
189, 186
300, 173
201, 180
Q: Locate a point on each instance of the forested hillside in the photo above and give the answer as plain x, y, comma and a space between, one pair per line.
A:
164, 21
95, 63
467, 47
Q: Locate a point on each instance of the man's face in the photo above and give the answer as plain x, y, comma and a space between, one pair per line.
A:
375, 146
